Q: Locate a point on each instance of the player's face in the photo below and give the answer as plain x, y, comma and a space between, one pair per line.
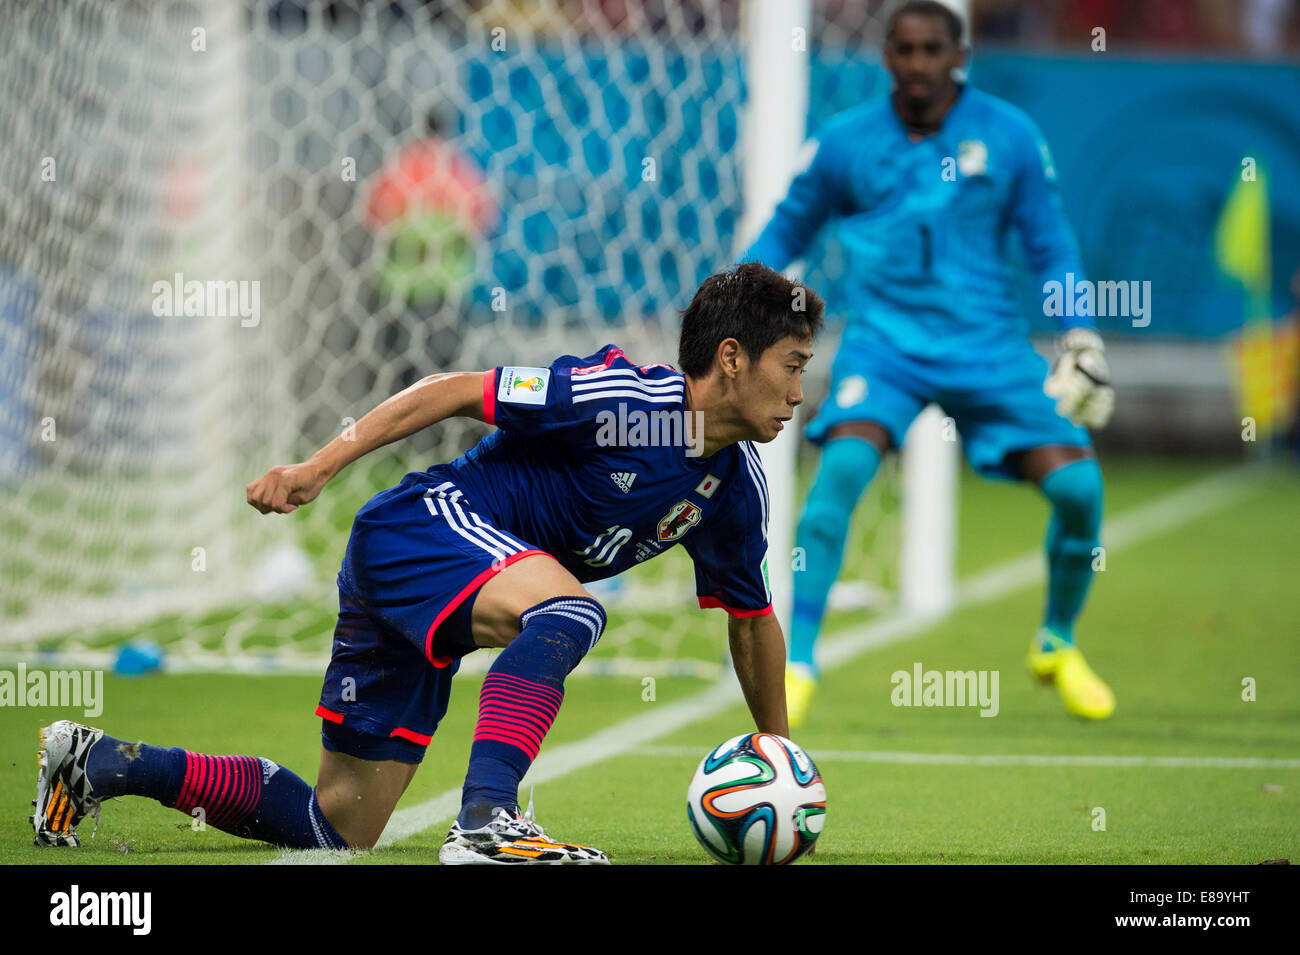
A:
921, 55
773, 387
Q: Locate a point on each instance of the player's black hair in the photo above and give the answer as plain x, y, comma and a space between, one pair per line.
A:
926, 8
751, 303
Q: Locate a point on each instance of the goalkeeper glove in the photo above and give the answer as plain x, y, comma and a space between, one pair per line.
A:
1080, 379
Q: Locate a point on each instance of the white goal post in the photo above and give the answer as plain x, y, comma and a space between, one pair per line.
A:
776, 34
361, 193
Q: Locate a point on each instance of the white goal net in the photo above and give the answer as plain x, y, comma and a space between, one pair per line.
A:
227, 230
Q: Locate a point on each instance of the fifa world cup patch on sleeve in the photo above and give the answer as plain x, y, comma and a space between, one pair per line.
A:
524, 386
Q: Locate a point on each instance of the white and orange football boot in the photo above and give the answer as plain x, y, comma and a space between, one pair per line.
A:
510, 838
63, 793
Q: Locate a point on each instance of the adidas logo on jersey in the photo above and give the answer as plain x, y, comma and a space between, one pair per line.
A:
623, 479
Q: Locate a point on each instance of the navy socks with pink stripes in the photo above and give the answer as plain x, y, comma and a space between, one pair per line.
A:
521, 695
255, 798
252, 798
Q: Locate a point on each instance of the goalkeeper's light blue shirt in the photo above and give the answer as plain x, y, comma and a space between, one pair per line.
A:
924, 224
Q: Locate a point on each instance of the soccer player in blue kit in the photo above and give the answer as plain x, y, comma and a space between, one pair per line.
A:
925, 184
597, 465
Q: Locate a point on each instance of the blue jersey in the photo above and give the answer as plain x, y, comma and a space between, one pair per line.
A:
924, 224
590, 464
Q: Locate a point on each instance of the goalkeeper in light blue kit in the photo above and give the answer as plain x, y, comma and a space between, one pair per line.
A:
925, 184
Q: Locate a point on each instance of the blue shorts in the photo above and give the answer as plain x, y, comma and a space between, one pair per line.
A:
998, 403
416, 559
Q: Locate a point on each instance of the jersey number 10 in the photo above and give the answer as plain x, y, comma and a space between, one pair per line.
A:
604, 549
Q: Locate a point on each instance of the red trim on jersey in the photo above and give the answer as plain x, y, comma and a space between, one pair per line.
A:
473, 585
615, 352
490, 397
403, 733
708, 603
328, 715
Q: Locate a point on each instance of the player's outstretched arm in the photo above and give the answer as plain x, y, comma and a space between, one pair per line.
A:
428, 401
758, 651
813, 196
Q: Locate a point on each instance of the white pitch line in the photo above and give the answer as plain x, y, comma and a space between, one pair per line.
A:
1165, 513
615, 740
963, 759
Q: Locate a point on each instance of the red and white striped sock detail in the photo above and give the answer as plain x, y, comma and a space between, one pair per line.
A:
516, 711
226, 788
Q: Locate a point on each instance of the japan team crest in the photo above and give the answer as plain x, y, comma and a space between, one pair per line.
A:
678, 521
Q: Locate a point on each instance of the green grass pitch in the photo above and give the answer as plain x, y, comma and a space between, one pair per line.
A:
1175, 623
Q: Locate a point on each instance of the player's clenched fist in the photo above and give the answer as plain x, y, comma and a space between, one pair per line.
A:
283, 489
1080, 379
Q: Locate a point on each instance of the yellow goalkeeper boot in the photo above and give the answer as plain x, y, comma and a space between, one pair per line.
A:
800, 685
1055, 661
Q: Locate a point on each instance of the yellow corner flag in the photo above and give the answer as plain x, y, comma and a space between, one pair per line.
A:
1263, 357
1242, 237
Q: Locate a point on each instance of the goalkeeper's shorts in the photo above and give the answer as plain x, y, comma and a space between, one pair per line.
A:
996, 402
416, 559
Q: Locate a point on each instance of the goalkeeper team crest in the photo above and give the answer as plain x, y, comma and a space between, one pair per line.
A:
972, 157
678, 521
852, 391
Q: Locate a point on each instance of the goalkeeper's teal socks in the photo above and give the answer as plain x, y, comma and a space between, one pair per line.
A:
247, 796
1075, 493
847, 466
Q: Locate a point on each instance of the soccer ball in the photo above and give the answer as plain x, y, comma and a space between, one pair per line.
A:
757, 800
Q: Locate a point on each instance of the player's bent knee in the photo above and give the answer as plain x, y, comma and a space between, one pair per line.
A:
357, 796
357, 838
1037, 464
582, 617
517, 588
1075, 490
822, 525
846, 469
869, 431
333, 802
358, 825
